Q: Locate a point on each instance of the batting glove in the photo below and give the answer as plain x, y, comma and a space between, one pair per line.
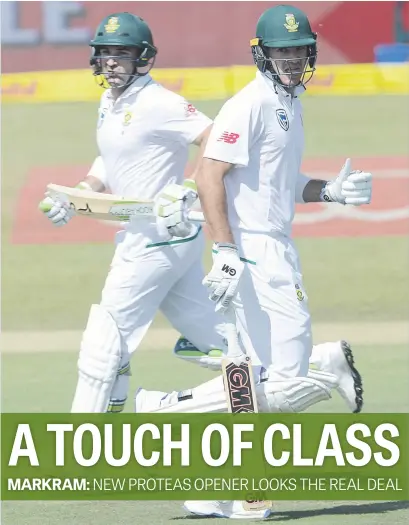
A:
172, 206
59, 211
350, 187
223, 279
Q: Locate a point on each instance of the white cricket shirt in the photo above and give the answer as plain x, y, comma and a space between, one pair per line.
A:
143, 138
260, 131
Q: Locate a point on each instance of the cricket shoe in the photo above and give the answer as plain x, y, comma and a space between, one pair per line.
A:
186, 350
337, 358
239, 510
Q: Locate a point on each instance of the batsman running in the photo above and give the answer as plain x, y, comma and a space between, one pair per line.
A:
143, 135
248, 184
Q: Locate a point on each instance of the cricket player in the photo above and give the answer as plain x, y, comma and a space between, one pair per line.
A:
248, 184
143, 134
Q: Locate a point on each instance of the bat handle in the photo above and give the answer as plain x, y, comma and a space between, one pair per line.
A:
195, 216
233, 342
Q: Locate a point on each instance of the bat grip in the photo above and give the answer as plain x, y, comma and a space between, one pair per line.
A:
233, 343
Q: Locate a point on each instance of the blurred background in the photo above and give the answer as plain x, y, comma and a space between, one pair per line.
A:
355, 261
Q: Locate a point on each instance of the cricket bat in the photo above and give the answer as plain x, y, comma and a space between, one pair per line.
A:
237, 372
240, 391
106, 206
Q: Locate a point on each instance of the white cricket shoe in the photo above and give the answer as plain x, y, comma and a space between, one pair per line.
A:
337, 358
239, 510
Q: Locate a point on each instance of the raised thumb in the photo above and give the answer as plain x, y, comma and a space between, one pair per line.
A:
345, 171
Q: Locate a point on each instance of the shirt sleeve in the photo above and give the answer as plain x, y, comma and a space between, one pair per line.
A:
181, 121
98, 171
236, 128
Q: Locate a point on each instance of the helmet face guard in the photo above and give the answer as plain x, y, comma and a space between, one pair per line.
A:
274, 67
145, 60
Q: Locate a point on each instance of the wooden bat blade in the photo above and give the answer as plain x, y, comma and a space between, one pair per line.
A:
102, 205
239, 386
109, 207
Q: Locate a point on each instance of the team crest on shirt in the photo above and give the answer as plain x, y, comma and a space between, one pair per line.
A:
300, 295
127, 118
283, 119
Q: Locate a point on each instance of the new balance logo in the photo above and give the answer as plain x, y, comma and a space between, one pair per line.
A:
226, 268
229, 138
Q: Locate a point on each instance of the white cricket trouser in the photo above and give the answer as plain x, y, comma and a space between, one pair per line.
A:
272, 307
161, 276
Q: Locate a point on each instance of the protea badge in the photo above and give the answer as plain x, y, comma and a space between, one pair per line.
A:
291, 24
112, 25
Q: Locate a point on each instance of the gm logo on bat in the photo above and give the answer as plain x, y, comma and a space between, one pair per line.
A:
131, 209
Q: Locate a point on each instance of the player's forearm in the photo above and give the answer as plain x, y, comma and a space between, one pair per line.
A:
214, 207
201, 141
312, 190
212, 195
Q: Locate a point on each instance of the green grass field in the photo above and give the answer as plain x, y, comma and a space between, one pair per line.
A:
131, 513
50, 288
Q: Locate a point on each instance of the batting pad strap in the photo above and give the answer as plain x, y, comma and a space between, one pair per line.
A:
98, 363
119, 391
125, 370
116, 406
292, 395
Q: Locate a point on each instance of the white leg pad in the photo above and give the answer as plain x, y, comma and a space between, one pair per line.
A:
98, 363
329, 380
208, 397
291, 395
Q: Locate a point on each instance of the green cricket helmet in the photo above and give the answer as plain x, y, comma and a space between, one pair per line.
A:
284, 26
124, 30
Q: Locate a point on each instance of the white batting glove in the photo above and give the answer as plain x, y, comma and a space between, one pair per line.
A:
172, 206
223, 279
58, 211
350, 187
